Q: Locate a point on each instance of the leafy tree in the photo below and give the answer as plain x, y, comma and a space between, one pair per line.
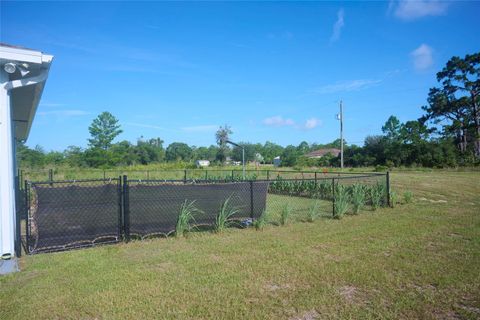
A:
455, 104
30, 158
75, 156
178, 151
290, 156
103, 130
221, 136
271, 150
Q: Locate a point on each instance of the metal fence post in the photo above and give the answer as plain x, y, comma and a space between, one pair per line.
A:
27, 218
333, 196
315, 178
50, 176
120, 207
148, 175
126, 209
185, 176
251, 199
18, 238
268, 175
388, 188
206, 175
232, 174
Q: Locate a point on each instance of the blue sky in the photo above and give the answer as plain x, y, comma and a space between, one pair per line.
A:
273, 71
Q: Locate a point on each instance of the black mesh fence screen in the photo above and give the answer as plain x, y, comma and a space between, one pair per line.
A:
154, 206
73, 214
70, 214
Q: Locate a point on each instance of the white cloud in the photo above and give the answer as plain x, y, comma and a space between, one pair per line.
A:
143, 125
422, 57
337, 27
64, 113
312, 123
345, 86
203, 128
278, 121
415, 9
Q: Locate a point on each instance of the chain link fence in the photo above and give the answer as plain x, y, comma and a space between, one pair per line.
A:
70, 214
62, 215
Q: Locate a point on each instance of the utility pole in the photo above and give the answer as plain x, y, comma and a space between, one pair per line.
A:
340, 117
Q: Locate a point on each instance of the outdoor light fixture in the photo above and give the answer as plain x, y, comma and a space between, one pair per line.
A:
23, 69
9, 67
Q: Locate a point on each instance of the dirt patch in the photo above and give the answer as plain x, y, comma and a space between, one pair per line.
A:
276, 287
432, 201
348, 293
309, 315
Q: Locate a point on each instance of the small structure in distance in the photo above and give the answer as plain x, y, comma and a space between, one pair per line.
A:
320, 153
202, 163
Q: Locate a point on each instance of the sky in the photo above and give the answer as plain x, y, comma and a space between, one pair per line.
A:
273, 71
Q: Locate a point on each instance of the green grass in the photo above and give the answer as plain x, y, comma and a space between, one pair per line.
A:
416, 261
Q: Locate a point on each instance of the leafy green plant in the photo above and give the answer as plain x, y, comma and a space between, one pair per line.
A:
227, 211
358, 198
186, 217
341, 201
261, 222
408, 196
314, 212
377, 195
393, 198
285, 214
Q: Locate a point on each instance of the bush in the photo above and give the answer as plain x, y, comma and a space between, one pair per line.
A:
377, 195
185, 217
341, 201
358, 197
313, 212
227, 211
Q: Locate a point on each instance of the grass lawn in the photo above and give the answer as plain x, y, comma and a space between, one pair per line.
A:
418, 260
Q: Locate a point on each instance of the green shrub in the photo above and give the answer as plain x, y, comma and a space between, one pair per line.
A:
358, 197
341, 201
186, 217
285, 214
408, 196
314, 211
227, 211
377, 195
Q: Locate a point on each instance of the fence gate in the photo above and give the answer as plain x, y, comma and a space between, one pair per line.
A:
71, 214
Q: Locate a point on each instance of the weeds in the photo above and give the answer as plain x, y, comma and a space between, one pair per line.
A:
285, 214
262, 221
314, 212
341, 201
408, 196
227, 211
186, 217
358, 198
393, 198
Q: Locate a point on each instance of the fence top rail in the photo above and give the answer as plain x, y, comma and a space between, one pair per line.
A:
72, 181
206, 181
215, 170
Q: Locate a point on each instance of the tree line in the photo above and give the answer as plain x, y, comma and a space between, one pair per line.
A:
447, 135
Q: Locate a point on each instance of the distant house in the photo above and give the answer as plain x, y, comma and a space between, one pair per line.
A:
317, 154
202, 163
